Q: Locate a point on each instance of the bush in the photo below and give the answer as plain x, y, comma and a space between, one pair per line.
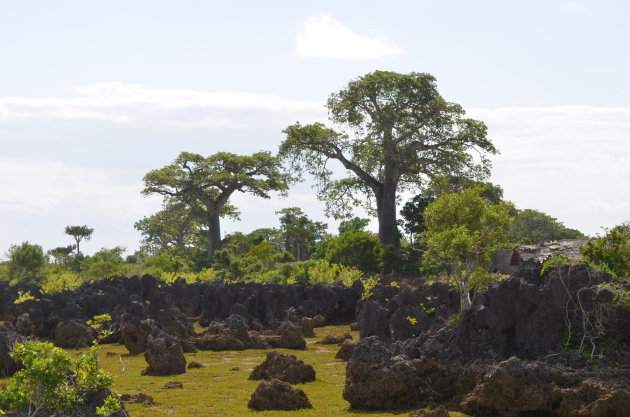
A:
51, 381
323, 272
610, 253
356, 249
25, 263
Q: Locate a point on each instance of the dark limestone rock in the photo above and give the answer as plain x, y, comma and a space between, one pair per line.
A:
278, 395
346, 350
286, 368
334, 340
217, 342
134, 333
164, 355
73, 334
377, 380
8, 339
288, 336
173, 385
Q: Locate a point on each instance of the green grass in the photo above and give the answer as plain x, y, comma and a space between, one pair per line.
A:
215, 390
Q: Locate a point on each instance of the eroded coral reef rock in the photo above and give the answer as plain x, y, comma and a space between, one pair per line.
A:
278, 395
286, 368
164, 355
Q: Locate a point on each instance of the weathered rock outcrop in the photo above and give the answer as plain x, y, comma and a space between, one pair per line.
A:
514, 353
73, 334
8, 339
164, 355
286, 368
346, 350
278, 395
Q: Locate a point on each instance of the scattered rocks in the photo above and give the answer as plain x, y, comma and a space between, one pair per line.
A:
438, 412
285, 368
278, 395
164, 355
346, 350
334, 340
140, 398
195, 365
306, 324
217, 342
173, 385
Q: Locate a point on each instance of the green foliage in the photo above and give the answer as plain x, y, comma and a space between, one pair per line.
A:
299, 233
532, 226
462, 232
356, 249
403, 132
26, 262
323, 272
110, 405
174, 229
204, 185
23, 296
610, 253
79, 233
369, 284
51, 381
554, 261
104, 263
41, 383
455, 319
355, 223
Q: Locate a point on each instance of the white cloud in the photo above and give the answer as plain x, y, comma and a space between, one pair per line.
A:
39, 187
569, 161
324, 37
128, 103
574, 7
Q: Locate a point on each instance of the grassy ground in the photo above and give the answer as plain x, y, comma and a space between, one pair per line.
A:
221, 388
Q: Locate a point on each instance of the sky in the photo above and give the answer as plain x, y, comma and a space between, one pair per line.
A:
93, 95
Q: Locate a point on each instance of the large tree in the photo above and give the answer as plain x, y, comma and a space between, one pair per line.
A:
394, 131
79, 233
205, 184
533, 226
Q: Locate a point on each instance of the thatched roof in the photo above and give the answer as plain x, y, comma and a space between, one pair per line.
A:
540, 252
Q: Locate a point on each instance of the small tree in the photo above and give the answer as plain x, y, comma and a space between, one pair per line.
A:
79, 233
25, 262
462, 231
358, 249
61, 254
299, 232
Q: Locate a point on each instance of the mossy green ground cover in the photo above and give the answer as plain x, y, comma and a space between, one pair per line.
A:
221, 387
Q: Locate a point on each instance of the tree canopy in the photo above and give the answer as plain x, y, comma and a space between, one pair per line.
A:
205, 184
462, 231
394, 133
533, 226
79, 233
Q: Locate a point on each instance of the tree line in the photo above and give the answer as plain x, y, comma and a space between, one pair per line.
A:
392, 134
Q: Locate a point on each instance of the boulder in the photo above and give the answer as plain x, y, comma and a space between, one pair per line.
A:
8, 339
287, 336
334, 340
438, 412
73, 334
278, 395
377, 380
164, 355
217, 342
306, 324
135, 332
286, 368
346, 350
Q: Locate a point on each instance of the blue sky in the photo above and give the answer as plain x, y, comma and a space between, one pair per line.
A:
95, 94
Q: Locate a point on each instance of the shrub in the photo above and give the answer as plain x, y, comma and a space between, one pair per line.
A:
25, 262
357, 249
50, 381
610, 253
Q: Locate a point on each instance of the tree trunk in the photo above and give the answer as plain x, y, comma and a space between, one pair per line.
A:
464, 292
386, 210
214, 234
